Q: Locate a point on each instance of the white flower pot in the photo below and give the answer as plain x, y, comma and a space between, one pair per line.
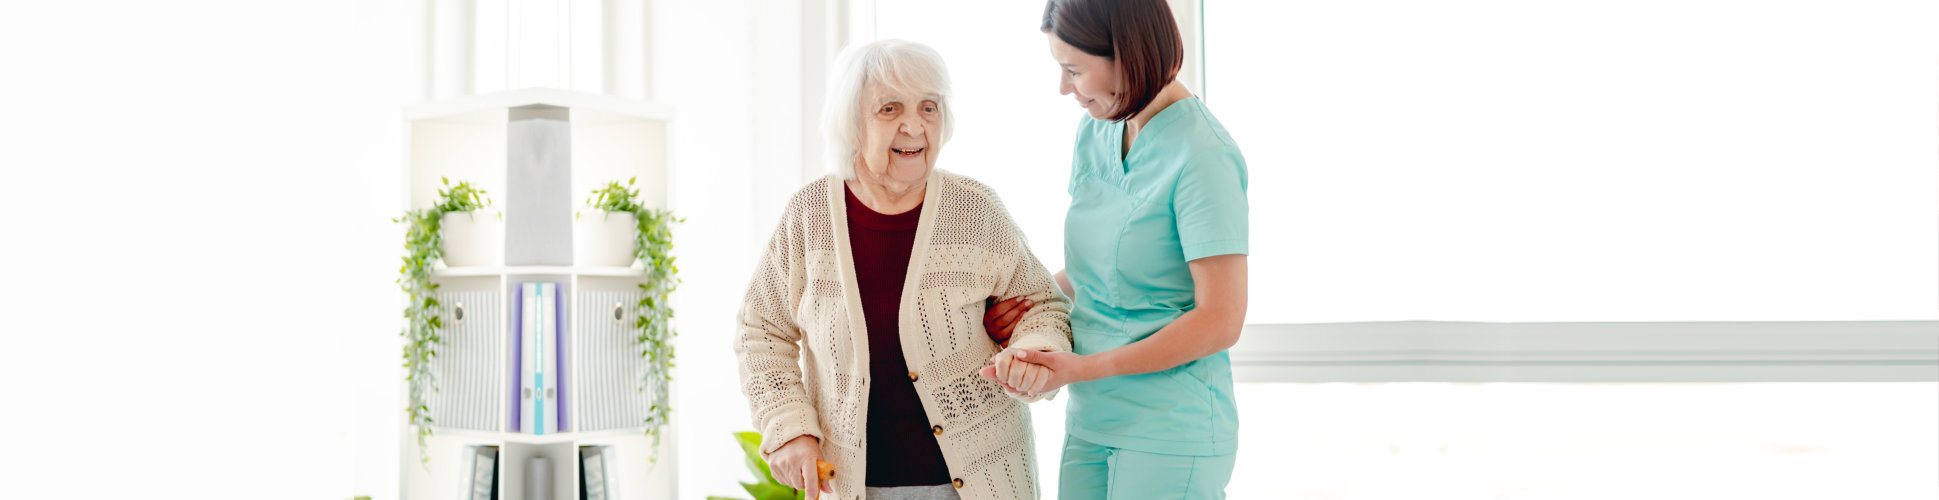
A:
475, 238
603, 239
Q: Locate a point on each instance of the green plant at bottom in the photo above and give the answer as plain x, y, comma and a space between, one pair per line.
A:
767, 488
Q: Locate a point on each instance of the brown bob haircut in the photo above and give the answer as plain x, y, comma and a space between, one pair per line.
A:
1139, 34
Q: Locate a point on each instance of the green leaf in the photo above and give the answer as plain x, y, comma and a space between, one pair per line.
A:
769, 491
751, 447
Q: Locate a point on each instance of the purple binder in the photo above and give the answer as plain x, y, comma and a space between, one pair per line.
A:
518, 354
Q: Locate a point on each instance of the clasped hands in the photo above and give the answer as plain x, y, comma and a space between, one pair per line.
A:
1032, 373
1024, 371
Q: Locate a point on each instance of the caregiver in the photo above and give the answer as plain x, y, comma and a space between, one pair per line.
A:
1155, 245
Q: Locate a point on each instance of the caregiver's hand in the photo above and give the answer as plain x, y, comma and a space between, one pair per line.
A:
1035, 372
999, 318
794, 465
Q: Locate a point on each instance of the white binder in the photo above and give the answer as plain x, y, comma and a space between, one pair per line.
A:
610, 454
538, 407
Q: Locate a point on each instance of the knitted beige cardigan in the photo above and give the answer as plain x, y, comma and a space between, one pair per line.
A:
803, 312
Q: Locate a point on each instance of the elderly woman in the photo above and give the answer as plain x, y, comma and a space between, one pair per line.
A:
860, 340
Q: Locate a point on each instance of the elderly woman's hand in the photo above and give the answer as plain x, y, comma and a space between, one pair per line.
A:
795, 465
999, 318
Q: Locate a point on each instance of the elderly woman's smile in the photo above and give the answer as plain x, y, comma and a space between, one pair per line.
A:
896, 134
910, 157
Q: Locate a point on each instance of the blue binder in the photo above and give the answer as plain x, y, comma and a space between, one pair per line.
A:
539, 325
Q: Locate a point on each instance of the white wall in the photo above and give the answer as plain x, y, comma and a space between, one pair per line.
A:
205, 300
745, 78
196, 206
707, 80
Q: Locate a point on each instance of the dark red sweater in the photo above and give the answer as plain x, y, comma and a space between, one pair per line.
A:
902, 449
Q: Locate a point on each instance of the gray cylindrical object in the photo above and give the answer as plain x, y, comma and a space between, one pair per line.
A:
538, 194
538, 479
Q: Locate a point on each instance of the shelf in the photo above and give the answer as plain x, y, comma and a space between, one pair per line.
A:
466, 108
538, 270
473, 139
523, 438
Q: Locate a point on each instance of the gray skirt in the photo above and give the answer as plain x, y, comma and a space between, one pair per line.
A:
937, 492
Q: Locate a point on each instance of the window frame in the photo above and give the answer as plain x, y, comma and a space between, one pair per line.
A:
1629, 352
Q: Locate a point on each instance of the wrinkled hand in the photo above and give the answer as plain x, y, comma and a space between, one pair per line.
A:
794, 465
999, 318
1033, 372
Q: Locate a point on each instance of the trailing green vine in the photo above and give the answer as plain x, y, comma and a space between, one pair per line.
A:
423, 246
653, 245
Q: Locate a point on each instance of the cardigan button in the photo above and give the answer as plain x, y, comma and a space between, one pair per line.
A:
913, 377
958, 482
938, 429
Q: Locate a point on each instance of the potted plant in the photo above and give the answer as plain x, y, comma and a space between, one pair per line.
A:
605, 233
470, 238
423, 249
649, 241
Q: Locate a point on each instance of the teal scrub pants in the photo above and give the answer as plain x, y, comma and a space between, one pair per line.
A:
1094, 471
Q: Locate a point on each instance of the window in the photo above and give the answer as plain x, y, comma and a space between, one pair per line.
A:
1491, 160
1716, 160
1013, 131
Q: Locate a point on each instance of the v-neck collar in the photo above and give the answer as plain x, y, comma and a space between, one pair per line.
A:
1158, 122
838, 211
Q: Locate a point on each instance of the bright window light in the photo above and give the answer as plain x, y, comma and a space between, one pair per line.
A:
1013, 131
1503, 160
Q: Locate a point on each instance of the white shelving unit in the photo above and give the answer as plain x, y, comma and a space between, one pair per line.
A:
539, 270
612, 139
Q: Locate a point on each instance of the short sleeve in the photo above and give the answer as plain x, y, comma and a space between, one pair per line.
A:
1210, 205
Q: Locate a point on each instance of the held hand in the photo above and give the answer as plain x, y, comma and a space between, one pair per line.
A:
1034, 372
796, 465
1020, 376
999, 318
990, 372
999, 370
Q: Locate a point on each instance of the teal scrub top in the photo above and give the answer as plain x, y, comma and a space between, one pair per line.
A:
1179, 194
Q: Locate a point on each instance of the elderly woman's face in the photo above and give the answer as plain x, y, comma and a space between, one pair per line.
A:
900, 135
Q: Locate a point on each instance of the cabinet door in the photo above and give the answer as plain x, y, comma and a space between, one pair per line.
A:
606, 362
470, 368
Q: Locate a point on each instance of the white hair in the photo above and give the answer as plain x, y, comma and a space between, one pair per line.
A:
898, 66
